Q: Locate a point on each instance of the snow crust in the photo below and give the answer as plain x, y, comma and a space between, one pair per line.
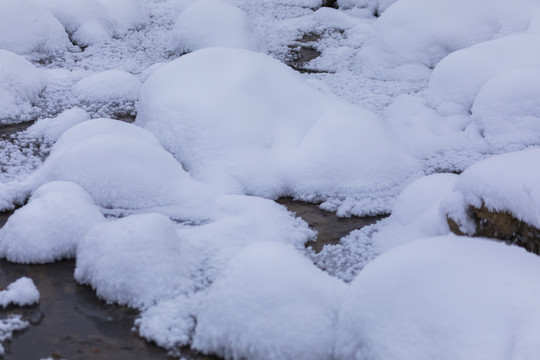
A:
270, 303
208, 23
245, 123
21, 292
503, 183
20, 84
26, 28
447, 297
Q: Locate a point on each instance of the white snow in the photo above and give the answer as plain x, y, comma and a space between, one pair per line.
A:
92, 21
110, 85
507, 107
208, 23
245, 123
270, 303
171, 215
457, 79
20, 84
50, 226
415, 214
412, 36
503, 182
21, 292
446, 298
8, 326
51, 129
28, 29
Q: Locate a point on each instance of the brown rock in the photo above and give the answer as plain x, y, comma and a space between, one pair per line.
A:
501, 225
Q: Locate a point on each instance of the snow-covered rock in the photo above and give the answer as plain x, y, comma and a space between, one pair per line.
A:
412, 36
446, 298
92, 21
50, 226
28, 29
246, 123
270, 303
507, 107
459, 77
121, 166
503, 183
208, 23
21, 292
415, 214
110, 92
20, 84
51, 129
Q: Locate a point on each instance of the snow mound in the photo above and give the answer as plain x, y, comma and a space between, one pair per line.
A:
245, 123
92, 21
446, 298
151, 255
109, 92
416, 213
20, 84
50, 226
458, 78
51, 129
412, 36
270, 303
22, 292
208, 23
507, 107
28, 29
121, 166
503, 183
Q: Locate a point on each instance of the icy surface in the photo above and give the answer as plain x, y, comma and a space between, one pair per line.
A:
445, 297
21, 292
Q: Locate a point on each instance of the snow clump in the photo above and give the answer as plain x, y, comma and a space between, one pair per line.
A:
448, 298
50, 226
20, 84
21, 292
91, 21
208, 23
245, 123
502, 183
412, 36
110, 92
28, 29
8, 326
270, 302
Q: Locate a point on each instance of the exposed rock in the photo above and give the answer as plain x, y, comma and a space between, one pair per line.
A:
501, 225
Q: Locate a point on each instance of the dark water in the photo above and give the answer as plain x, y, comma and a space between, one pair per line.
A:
329, 226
